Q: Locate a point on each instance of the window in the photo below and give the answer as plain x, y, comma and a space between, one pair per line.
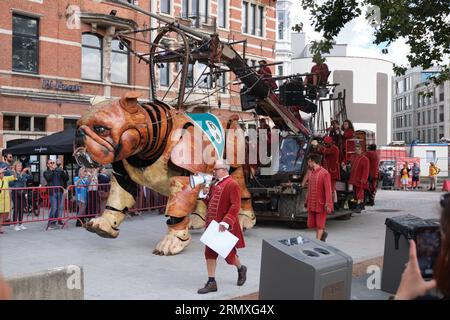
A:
429, 135
25, 46
400, 86
9, 123
222, 13
70, 123
418, 135
197, 10
260, 31
245, 17
280, 30
280, 70
223, 82
441, 96
435, 135
429, 116
91, 61
418, 118
205, 80
423, 118
190, 76
441, 132
24, 123
280, 73
435, 118
119, 63
165, 6
39, 124
252, 19
164, 74
441, 113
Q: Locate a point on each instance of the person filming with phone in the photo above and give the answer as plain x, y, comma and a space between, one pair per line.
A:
413, 285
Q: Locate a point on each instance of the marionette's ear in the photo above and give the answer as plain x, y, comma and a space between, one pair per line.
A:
129, 101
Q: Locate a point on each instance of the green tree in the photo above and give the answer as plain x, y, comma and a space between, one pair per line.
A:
425, 24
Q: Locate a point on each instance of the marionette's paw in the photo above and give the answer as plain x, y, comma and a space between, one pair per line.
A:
173, 243
247, 220
102, 227
196, 221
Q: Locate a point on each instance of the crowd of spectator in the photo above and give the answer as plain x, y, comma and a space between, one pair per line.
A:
87, 195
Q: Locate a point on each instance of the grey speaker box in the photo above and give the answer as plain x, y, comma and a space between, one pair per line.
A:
302, 268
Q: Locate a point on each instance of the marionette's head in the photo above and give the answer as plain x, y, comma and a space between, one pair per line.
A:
112, 130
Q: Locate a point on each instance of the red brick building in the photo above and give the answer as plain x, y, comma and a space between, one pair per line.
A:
56, 56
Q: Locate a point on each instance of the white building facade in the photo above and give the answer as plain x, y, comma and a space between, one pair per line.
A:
283, 48
367, 83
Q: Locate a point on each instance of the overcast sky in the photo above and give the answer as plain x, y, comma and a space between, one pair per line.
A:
358, 35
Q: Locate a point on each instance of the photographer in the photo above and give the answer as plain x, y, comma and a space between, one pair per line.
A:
412, 285
56, 177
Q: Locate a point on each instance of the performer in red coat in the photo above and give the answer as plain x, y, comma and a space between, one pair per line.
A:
374, 160
359, 175
319, 200
348, 133
266, 73
331, 163
223, 204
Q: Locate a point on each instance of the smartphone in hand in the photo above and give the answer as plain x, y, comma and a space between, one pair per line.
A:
428, 243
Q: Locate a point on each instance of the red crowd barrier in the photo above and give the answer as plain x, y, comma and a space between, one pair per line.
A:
58, 205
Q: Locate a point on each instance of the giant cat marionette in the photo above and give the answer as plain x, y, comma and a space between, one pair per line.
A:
147, 145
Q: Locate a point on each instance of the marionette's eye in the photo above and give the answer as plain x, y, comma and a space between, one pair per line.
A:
102, 131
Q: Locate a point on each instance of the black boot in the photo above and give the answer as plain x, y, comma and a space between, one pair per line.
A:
242, 275
210, 286
358, 208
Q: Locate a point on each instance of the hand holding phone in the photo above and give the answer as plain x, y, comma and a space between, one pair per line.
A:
428, 243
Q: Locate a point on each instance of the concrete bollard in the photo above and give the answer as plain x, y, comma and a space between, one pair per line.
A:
62, 283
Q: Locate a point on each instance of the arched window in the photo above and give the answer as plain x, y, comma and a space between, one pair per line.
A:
91, 63
119, 62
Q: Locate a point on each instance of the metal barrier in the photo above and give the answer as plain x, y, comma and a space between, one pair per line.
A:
57, 205
25, 205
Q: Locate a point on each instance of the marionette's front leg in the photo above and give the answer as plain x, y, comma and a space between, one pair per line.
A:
107, 225
182, 201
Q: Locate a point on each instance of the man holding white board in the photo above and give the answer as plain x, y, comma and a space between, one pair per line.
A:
223, 204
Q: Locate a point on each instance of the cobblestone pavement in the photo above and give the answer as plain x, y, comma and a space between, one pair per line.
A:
125, 268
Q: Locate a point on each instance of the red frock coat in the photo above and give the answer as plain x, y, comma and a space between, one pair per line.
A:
348, 134
359, 173
223, 204
374, 160
331, 161
267, 76
319, 191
